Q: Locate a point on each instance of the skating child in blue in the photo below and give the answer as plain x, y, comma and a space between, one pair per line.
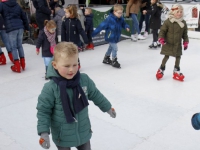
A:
113, 26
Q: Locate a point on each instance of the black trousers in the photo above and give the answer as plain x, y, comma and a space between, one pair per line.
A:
155, 35
89, 36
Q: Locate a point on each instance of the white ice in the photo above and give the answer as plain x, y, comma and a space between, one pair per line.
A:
151, 114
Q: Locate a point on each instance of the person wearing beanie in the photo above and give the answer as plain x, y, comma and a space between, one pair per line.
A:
173, 30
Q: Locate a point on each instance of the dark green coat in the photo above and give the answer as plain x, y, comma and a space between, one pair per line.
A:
173, 35
50, 112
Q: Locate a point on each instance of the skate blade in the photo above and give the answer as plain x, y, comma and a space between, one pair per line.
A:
178, 79
106, 63
117, 67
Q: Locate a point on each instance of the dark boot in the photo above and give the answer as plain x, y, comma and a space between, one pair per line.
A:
107, 60
115, 63
10, 56
2, 59
46, 78
16, 67
22, 62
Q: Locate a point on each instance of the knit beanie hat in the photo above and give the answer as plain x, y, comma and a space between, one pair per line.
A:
173, 11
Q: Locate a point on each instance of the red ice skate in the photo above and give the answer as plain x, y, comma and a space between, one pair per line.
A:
159, 74
90, 47
22, 63
178, 76
10, 57
16, 67
2, 59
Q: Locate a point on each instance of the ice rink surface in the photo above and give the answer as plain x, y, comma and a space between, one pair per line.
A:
151, 114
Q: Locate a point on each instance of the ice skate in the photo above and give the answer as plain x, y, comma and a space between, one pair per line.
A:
115, 63
177, 75
158, 44
22, 63
16, 67
10, 57
160, 72
153, 45
2, 59
107, 60
145, 34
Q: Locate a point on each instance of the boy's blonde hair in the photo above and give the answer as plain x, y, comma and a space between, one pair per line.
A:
117, 7
89, 10
65, 49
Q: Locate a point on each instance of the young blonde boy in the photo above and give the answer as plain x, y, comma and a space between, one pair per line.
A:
63, 103
113, 26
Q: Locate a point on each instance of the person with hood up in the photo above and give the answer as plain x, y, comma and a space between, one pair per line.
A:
113, 26
59, 14
15, 22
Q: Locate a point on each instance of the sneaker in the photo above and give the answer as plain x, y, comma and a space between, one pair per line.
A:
133, 38
140, 37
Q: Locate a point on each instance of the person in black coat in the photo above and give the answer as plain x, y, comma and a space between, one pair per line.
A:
88, 26
145, 17
155, 21
43, 12
15, 22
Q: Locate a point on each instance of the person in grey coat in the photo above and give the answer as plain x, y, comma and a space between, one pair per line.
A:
59, 13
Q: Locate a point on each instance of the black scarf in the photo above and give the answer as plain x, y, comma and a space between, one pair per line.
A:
79, 99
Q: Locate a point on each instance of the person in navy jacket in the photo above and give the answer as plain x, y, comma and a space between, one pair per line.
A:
112, 26
15, 22
4, 38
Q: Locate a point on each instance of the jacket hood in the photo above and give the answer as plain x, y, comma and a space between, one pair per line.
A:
51, 72
11, 3
60, 12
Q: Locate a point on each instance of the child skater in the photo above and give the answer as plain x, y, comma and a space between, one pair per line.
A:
113, 26
46, 39
88, 26
63, 102
155, 21
71, 27
171, 34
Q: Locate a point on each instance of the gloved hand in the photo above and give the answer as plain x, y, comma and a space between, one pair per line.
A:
162, 41
44, 140
37, 51
195, 122
112, 113
185, 45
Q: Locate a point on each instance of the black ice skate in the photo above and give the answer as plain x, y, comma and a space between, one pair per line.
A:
158, 44
115, 63
153, 45
107, 60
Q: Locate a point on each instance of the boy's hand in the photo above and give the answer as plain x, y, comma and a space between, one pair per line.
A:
44, 141
127, 29
112, 113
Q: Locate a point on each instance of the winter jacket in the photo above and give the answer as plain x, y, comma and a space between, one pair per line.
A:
2, 23
42, 12
44, 43
71, 29
54, 4
13, 16
155, 12
58, 19
132, 7
88, 22
173, 35
113, 26
51, 115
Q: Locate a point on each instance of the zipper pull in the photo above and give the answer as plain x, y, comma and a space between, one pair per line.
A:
75, 119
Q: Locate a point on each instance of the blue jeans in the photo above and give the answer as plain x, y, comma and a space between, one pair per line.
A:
146, 19
15, 38
112, 49
47, 60
4, 37
135, 24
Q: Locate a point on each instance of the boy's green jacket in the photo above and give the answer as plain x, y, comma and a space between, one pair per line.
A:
51, 115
